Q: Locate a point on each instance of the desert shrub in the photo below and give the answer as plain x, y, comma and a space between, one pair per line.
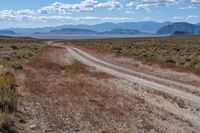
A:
8, 99
17, 66
76, 68
169, 59
7, 123
14, 47
8, 102
8, 94
7, 80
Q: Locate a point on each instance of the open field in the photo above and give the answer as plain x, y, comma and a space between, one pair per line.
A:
87, 87
180, 53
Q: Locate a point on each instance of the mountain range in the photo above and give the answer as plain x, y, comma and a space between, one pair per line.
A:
71, 31
126, 28
180, 27
148, 26
5, 32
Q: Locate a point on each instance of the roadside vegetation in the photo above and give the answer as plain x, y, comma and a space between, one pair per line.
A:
8, 102
14, 50
13, 53
177, 52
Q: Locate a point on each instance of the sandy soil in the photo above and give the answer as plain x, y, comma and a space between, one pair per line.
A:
60, 95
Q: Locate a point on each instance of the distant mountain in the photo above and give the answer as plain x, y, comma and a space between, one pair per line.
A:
92, 32
123, 32
181, 27
148, 26
181, 33
5, 32
73, 31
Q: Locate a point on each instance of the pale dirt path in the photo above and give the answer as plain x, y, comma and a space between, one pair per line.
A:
118, 71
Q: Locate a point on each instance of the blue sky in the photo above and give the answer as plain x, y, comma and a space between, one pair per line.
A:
40, 13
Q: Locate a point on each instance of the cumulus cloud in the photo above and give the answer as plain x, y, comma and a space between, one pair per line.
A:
177, 18
112, 4
146, 4
85, 5
188, 7
60, 11
190, 17
28, 15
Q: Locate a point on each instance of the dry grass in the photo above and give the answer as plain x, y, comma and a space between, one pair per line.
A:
8, 101
172, 99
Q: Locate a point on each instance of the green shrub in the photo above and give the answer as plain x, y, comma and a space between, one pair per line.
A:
7, 80
8, 94
168, 59
8, 99
7, 123
17, 66
14, 47
8, 102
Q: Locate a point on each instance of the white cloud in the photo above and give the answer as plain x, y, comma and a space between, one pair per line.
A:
191, 17
27, 15
62, 11
129, 12
147, 18
25, 12
111, 4
85, 5
188, 7
147, 4
177, 18
195, 1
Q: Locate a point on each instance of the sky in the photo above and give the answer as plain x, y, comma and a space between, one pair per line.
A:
44, 13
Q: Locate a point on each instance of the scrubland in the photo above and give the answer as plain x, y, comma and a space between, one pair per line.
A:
13, 53
180, 53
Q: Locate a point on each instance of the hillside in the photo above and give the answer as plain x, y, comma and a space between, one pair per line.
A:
6, 32
181, 33
123, 32
73, 31
181, 27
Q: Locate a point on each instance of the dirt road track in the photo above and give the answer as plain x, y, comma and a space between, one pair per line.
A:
109, 68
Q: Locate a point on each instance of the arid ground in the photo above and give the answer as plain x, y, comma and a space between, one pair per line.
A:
79, 89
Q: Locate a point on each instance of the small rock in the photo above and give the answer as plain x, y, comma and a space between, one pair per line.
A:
33, 126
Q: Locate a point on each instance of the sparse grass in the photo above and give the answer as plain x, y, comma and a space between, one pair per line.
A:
8, 101
18, 49
17, 66
180, 52
7, 123
172, 99
76, 68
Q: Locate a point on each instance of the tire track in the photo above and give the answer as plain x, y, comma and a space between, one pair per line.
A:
90, 60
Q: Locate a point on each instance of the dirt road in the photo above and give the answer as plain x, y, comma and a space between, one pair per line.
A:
128, 74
